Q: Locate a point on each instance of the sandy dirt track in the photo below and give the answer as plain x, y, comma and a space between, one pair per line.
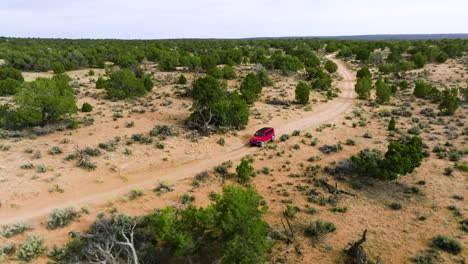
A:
91, 195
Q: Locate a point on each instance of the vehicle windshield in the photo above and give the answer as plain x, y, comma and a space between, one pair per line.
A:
259, 134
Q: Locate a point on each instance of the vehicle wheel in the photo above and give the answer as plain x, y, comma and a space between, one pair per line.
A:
273, 138
262, 144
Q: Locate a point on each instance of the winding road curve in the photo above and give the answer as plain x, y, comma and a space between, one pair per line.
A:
37, 208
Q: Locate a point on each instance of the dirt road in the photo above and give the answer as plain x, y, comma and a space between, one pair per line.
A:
87, 193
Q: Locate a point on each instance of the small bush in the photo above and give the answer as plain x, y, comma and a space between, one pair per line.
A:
93, 152
461, 166
163, 188
186, 198
31, 248
327, 149
395, 206
108, 146
291, 211
284, 137
87, 165
162, 131
223, 168
319, 228
135, 193
15, 229
73, 124
464, 225
55, 150
447, 244
61, 217
86, 108
142, 139
182, 79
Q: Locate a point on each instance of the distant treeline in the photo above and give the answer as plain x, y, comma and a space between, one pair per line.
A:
381, 37
203, 54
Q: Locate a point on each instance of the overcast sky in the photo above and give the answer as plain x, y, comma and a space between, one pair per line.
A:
153, 19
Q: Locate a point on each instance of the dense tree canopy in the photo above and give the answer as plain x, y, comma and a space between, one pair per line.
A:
196, 54
9, 86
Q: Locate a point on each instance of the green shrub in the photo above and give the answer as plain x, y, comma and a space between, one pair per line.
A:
449, 103
135, 193
9, 87
284, 137
262, 76
216, 72
93, 152
182, 79
42, 101
14, 229
86, 108
446, 244
395, 206
124, 84
364, 73
422, 89
245, 171
363, 87
58, 68
31, 248
148, 83
401, 158
55, 150
229, 73
383, 92
291, 211
141, 138
61, 217
187, 198
302, 93
163, 131
12, 73
101, 83
250, 88
462, 166
330, 66
214, 107
319, 228
392, 124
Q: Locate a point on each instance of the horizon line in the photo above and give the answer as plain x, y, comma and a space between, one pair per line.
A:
462, 36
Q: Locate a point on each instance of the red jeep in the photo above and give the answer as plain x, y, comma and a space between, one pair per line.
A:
262, 136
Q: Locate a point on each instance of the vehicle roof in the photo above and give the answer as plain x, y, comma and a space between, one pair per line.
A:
264, 129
